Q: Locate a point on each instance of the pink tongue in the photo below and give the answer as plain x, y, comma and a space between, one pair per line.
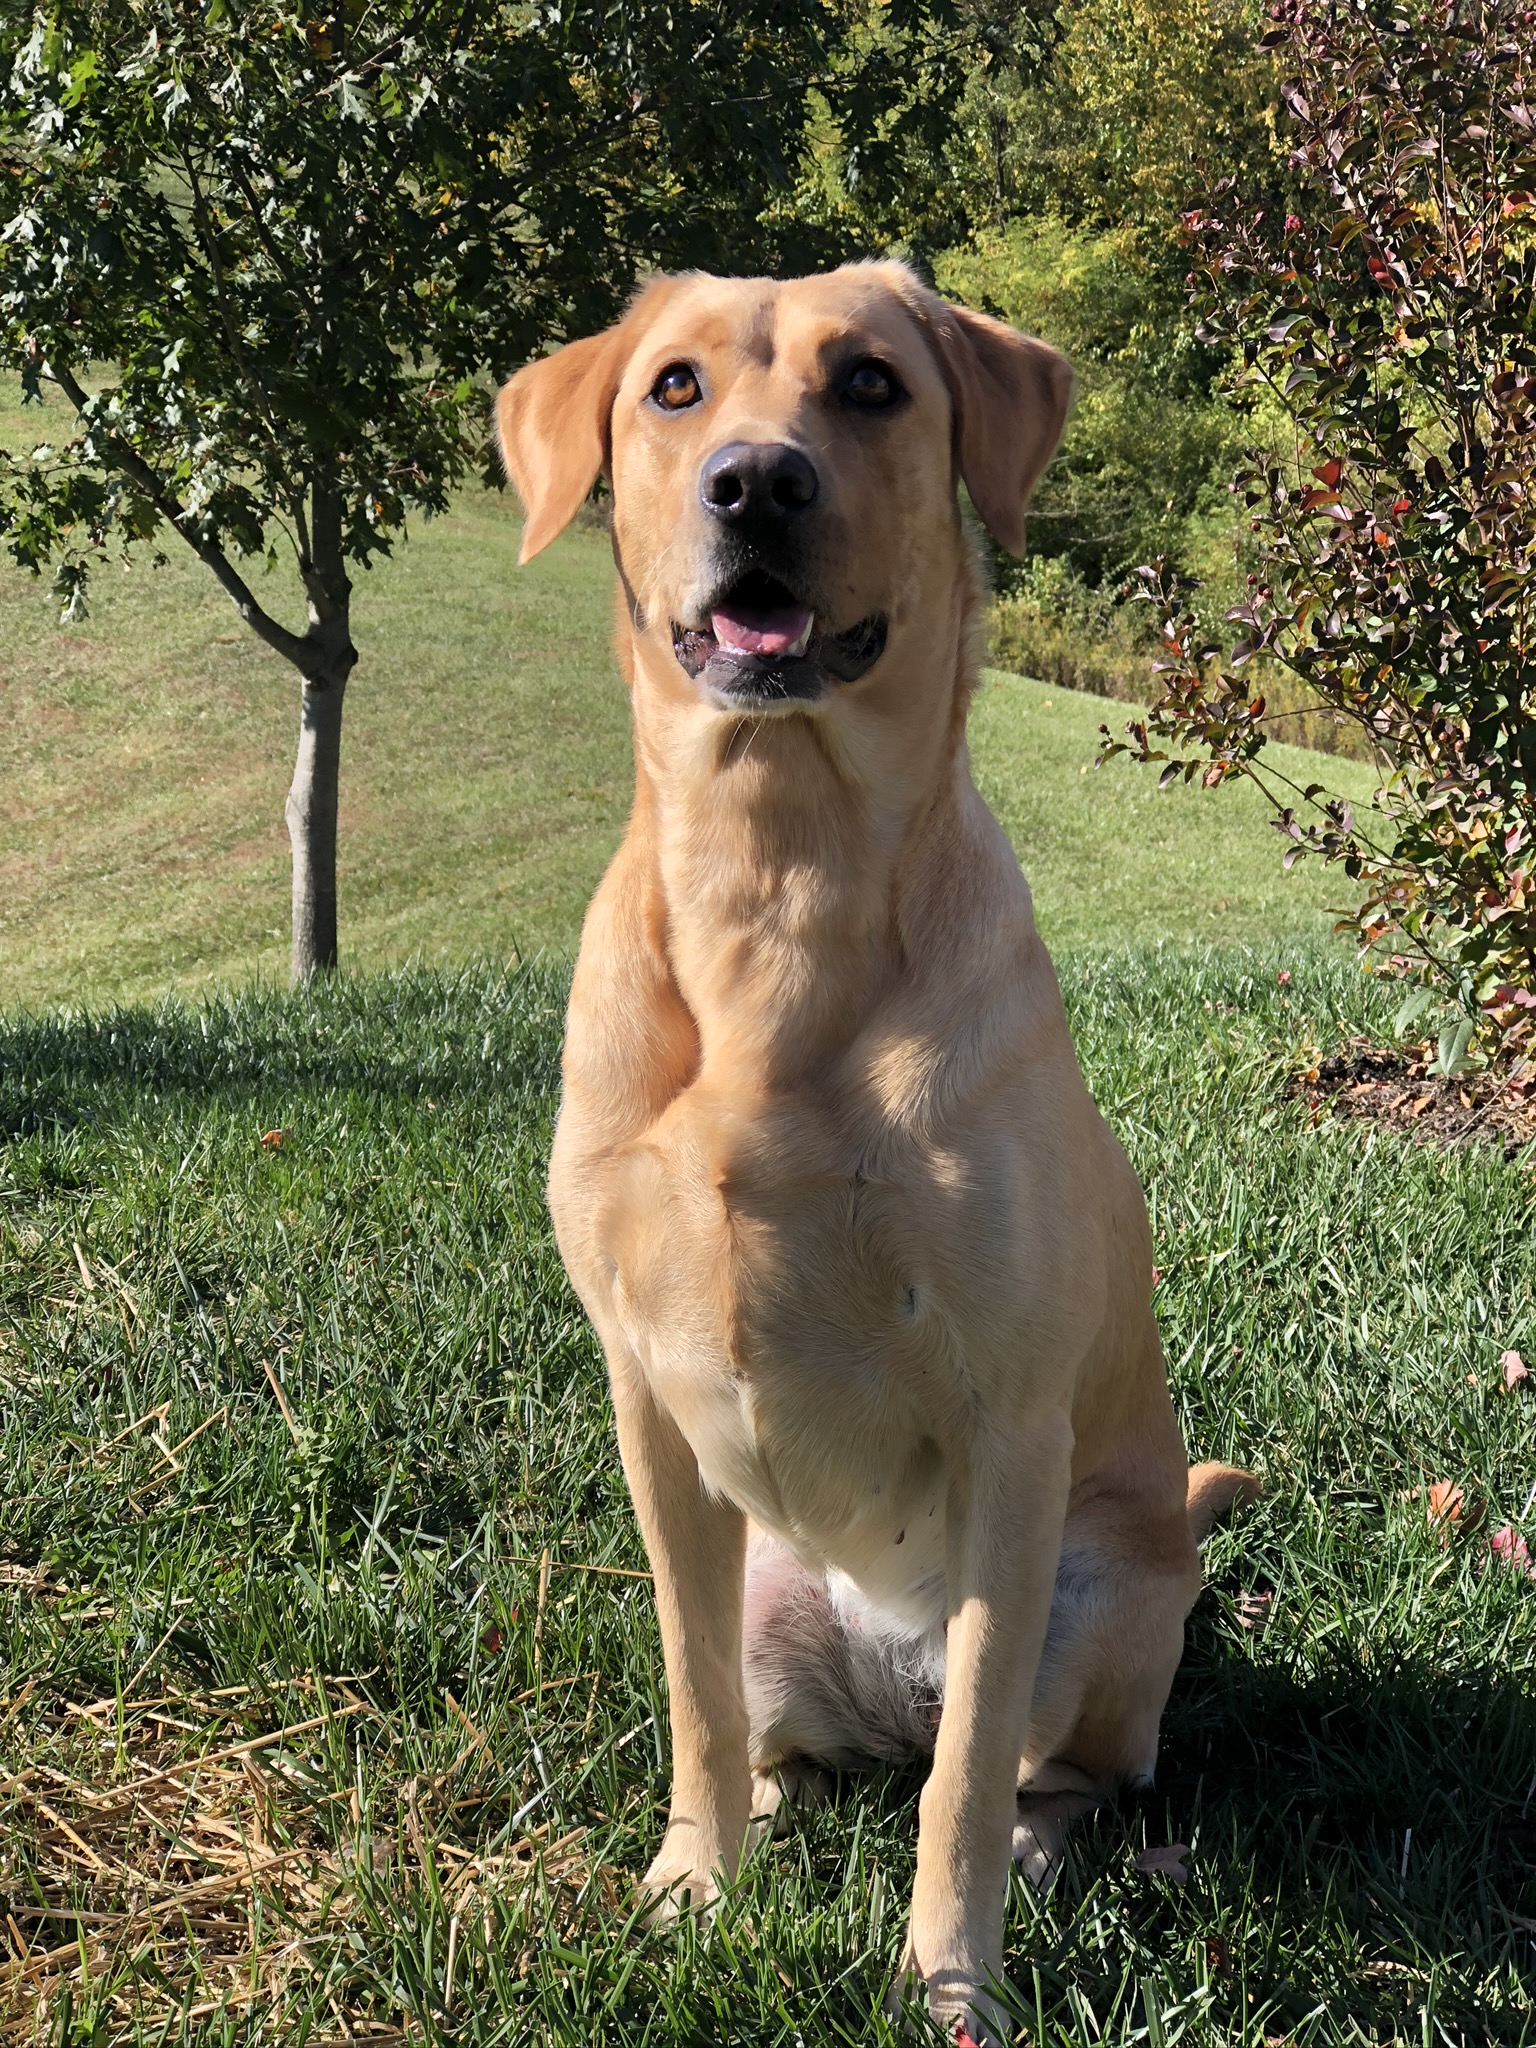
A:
769, 632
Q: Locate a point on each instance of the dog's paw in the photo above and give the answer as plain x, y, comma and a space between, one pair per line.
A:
969, 2015
1040, 1830
682, 1879
779, 1788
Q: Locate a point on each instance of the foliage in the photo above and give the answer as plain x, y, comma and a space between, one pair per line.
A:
1149, 446
452, 1852
1151, 102
1394, 312
899, 177
268, 251
291, 240
1084, 133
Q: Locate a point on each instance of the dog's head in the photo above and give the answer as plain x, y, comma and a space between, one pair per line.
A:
784, 460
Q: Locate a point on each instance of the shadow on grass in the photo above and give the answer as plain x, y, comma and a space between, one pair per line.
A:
484, 1027
1363, 1841
1361, 1863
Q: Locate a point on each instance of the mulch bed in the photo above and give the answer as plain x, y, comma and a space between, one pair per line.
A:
1389, 1085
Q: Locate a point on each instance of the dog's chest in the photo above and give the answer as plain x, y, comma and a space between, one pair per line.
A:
804, 1318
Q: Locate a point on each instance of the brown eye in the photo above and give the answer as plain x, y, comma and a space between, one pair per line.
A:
871, 385
676, 388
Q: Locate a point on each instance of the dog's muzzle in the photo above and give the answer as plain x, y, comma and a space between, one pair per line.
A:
761, 648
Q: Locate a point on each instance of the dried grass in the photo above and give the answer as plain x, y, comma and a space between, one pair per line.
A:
154, 1851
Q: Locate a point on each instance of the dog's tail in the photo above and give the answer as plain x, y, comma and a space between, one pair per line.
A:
1213, 1489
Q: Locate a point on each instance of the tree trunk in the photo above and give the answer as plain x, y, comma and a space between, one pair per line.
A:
311, 814
326, 660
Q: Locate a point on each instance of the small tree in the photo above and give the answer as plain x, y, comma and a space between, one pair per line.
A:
266, 250
1390, 317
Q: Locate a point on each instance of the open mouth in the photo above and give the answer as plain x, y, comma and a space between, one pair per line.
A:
761, 646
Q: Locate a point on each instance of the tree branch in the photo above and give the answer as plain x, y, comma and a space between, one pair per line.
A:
204, 226
293, 647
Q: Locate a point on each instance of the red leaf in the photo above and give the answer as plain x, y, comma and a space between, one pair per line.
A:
1511, 1549
1330, 472
492, 1640
1252, 1610
274, 1141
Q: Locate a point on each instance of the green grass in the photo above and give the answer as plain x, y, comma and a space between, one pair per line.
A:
418, 1555
144, 757
1334, 1305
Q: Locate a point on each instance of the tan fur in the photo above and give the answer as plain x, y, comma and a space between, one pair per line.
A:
872, 1275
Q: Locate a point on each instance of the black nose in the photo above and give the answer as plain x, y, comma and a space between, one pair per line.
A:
756, 480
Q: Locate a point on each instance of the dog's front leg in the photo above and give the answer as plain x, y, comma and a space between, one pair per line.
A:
1005, 1515
697, 1548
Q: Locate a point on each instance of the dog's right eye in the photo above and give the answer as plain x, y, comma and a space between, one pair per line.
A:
676, 388
871, 385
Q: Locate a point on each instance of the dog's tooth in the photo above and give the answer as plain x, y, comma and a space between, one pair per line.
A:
804, 641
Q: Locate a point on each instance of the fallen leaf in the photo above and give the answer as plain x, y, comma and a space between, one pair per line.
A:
1217, 1955
1471, 1379
1446, 1501
1165, 1862
1511, 1549
492, 1640
1514, 1368
1284, 976
1252, 1610
274, 1140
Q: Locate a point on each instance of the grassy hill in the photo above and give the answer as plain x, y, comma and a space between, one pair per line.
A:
145, 754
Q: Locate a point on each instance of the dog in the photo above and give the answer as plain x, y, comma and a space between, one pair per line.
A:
872, 1276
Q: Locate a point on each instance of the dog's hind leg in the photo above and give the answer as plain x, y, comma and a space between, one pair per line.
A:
822, 1689
1112, 1646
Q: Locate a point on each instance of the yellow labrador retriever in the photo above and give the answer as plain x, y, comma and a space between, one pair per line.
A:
872, 1276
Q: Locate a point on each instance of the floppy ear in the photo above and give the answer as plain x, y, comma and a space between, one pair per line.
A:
1011, 395
552, 422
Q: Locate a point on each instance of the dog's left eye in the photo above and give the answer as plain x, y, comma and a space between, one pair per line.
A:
871, 385
676, 388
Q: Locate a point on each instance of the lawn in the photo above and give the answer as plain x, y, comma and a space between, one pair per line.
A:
330, 1695
401, 1534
